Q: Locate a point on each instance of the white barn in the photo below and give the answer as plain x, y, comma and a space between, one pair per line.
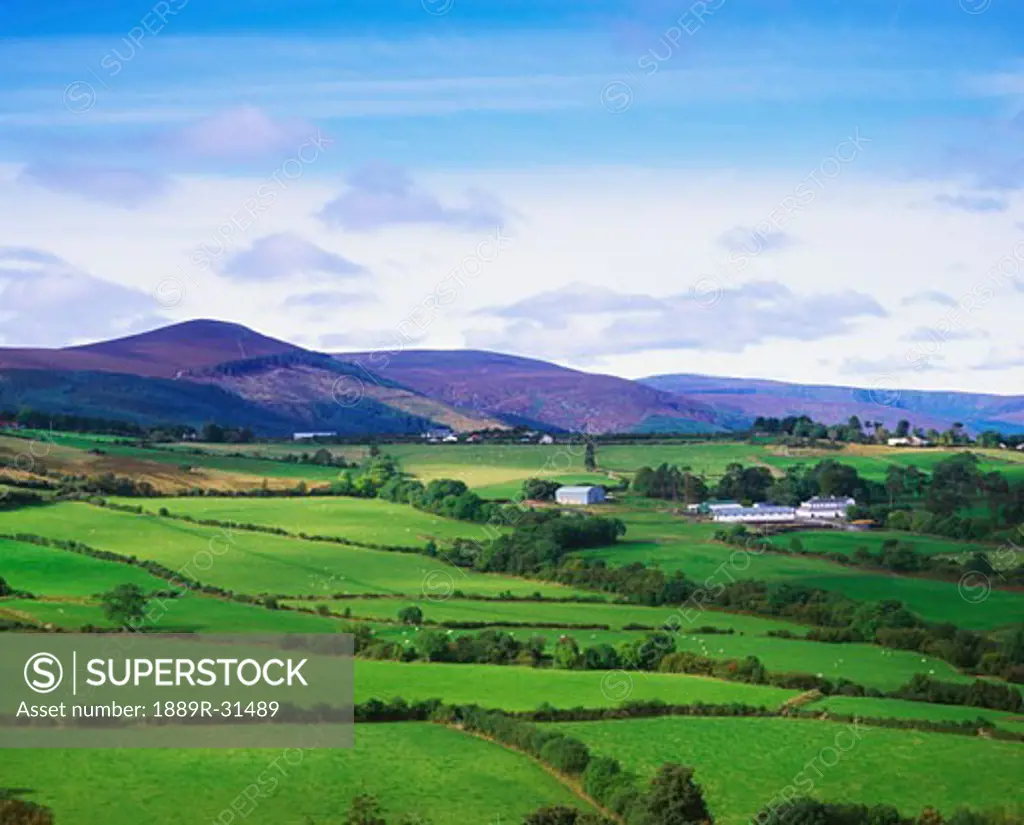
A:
712, 506
758, 514
579, 495
825, 507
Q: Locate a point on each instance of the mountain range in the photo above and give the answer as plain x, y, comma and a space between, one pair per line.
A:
202, 370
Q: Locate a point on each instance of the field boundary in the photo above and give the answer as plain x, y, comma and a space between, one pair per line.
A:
568, 783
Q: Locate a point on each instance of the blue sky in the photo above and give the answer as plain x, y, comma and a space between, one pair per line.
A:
746, 187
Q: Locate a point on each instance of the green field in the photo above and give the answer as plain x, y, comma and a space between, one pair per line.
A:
714, 563
898, 709
839, 541
439, 773
867, 665
370, 521
251, 562
743, 764
44, 571
613, 615
524, 688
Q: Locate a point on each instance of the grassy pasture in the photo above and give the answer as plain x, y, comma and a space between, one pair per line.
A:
743, 764
45, 571
838, 541
865, 664
168, 472
251, 562
188, 614
613, 615
440, 773
718, 564
357, 519
899, 709
524, 688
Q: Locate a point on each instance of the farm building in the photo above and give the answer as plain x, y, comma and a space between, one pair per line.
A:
579, 495
825, 507
909, 441
712, 506
758, 514
311, 436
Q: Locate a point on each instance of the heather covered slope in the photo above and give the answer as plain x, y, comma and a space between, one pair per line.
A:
748, 398
161, 353
537, 392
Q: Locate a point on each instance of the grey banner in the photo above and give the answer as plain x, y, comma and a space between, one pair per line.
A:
147, 690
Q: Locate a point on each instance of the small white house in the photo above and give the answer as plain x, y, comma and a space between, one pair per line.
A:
758, 514
579, 495
908, 441
825, 507
450, 439
311, 436
546, 439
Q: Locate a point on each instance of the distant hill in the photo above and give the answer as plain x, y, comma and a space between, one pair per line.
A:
747, 398
162, 353
201, 371
540, 394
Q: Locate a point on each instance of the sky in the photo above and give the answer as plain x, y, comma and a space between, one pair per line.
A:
807, 190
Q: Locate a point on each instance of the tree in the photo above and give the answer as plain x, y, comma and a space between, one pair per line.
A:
410, 615
365, 810
954, 484
5, 588
674, 798
590, 457
567, 654
902, 428
553, 815
540, 489
125, 605
14, 811
213, 433
895, 482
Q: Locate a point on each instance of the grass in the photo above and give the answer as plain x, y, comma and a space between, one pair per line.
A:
370, 521
524, 688
46, 571
613, 615
743, 764
437, 772
250, 562
188, 614
167, 471
838, 541
717, 564
899, 709
867, 665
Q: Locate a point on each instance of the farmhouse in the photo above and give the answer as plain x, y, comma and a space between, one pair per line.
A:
438, 433
825, 507
546, 439
579, 495
758, 514
909, 441
310, 436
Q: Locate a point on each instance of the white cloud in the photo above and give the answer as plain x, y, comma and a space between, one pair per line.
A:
590, 236
46, 302
287, 255
129, 188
